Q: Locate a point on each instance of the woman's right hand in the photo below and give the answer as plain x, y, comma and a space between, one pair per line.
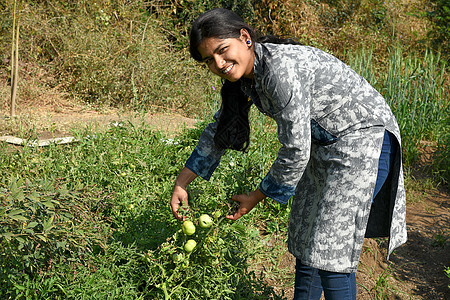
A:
179, 201
180, 197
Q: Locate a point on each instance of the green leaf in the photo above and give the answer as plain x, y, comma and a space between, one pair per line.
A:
20, 239
15, 212
18, 218
49, 223
34, 196
18, 195
66, 216
49, 204
42, 237
19, 287
7, 235
32, 224
61, 244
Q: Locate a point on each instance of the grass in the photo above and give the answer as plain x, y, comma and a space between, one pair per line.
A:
91, 220
440, 239
103, 55
416, 90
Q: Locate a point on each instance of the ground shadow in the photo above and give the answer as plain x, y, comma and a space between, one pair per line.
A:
422, 260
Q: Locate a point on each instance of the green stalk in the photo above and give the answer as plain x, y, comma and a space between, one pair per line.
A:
14, 58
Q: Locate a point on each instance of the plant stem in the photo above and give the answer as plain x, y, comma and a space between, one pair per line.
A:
14, 59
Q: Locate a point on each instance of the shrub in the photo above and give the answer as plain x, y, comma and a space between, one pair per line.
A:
440, 32
44, 224
105, 53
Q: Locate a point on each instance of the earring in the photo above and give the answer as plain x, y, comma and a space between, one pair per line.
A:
249, 42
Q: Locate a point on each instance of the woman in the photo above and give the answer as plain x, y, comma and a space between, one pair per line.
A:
340, 157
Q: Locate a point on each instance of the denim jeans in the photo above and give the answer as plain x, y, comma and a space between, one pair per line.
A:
387, 157
309, 281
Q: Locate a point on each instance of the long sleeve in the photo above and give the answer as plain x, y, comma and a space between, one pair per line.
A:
206, 157
288, 100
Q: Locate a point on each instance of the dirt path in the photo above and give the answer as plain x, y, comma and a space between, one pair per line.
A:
416, 270
48, 122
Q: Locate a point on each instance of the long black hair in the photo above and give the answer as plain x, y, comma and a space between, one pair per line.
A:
233, 128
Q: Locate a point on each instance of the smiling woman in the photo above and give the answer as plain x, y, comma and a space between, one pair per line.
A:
229, 58
340, 156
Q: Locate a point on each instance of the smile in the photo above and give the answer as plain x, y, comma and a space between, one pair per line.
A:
228, 69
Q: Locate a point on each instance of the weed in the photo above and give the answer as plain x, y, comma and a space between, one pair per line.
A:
383, 288
440, 239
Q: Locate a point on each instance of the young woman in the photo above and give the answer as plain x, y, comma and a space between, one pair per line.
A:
340, 155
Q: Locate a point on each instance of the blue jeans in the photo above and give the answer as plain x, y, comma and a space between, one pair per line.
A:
388, 151
309, 281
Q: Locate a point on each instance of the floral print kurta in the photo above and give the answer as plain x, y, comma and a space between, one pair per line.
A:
331, 124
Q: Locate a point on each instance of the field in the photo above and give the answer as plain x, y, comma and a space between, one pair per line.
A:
115, 184
91, 219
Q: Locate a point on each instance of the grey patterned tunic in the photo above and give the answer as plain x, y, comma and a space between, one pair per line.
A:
331, 124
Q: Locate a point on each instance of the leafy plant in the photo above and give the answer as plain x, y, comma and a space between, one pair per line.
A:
440, 239
43, 224
92, 220
440, 18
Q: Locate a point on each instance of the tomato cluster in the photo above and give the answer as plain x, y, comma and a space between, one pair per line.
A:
188, 227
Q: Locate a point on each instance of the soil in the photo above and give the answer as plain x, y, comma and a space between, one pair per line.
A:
415, 270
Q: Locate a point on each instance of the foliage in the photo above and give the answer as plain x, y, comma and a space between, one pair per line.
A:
440, 19
441, 160
440, 239
332, 25
116, 185
132, 53
44, 224
105, 53
91, 220
416, 90
179, 15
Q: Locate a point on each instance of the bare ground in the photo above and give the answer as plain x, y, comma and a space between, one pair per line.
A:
415, 271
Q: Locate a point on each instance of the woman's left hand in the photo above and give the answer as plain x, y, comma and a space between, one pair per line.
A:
247, 202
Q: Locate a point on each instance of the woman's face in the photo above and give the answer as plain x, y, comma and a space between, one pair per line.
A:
230, 58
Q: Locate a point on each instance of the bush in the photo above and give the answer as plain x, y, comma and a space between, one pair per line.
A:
105, 53
44, 224
440, 19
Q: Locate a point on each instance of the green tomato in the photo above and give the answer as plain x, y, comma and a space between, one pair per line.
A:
189, 246
188, 227
205, 221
